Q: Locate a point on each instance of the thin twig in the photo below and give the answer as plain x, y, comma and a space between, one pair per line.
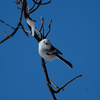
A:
33, 6
19, 8
36, 7
7, 24
49, 29
47, 79
43, 32
15, 30
5, 34
41, 3
42, 23
24, 30
36, 37
39, 33
67, 83
18, 2
71, 81
55, 85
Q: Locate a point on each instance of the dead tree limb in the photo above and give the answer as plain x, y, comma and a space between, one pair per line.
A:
7, 24
15, 30
38, 4
47, 79
49, 29
35, 8
41, 3
32, 6
62, 88
42, 23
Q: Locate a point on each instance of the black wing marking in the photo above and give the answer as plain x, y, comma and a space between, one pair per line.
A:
56, 50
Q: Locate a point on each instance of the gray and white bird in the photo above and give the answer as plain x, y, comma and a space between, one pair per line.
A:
30, 22
48, 52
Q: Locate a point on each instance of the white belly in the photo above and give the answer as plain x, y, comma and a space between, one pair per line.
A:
45, 56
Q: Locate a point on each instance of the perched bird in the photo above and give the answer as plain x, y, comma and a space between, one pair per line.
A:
48, 52
30, 22
31, 25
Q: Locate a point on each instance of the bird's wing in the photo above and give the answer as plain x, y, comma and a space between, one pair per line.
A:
55, 50
65, 61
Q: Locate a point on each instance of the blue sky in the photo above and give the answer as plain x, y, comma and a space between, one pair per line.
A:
75, 31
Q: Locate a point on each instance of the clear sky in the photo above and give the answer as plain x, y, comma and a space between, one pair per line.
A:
75, 31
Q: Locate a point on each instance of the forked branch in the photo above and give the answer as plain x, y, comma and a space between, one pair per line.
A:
15, 29
47, 79
49, 29
38, 4
33, 6
62, 88
7, 24
41, 3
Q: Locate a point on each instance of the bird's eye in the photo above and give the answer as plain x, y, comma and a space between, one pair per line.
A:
44, 41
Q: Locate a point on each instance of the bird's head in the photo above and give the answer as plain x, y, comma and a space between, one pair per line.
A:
45, 43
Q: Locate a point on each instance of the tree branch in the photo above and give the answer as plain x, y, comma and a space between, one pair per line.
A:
36, 7
7, 24
47, 79
39, 33
42, 3
38, 4
67, 83
42, 23
55, 85
49, 29
15, 30
22, 27
32, 6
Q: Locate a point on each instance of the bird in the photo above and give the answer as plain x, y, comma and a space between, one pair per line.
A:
30, 22
48, 52
31, 25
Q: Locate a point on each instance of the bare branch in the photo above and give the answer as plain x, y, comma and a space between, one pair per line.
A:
41, 3
18, 2
33, 6
7, 24
55, 85
43, 32
24, 30
39, 34
47, 79
67, 83
19, 8
49, 29
5, 34
36, 37
42, 23
38, 4
71, 81
36, 7
15, 30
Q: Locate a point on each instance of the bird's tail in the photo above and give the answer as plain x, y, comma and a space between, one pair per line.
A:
65, 61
